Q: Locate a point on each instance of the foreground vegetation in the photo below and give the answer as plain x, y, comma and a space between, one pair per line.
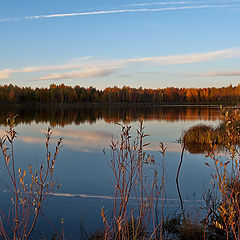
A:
28, 188
201, 138
139, 177
148, 220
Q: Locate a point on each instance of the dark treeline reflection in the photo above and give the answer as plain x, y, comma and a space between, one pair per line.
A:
62, 116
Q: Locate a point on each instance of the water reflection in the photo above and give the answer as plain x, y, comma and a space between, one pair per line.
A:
61, 116
83, 172
80, 140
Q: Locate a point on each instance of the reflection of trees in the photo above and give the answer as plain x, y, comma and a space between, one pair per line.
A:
77, 115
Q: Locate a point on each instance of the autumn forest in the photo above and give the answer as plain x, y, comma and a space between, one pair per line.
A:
77, 94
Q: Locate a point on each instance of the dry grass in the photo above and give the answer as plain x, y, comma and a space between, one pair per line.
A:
27, 197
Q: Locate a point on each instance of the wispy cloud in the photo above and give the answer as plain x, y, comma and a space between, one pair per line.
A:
72, 64
215, 2
124, 76
125, 11
216, 74
80, 74
94, 68
6, 73
189, 58
118, 11
112, 66
82, 69
157, 3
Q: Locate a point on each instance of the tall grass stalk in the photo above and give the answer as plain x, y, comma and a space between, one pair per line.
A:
226, 216
27, 195
130, 163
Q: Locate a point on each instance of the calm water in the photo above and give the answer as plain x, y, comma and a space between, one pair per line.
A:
82, 169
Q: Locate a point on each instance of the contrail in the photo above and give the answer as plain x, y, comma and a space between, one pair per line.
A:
156, 3
125, 11
114, 12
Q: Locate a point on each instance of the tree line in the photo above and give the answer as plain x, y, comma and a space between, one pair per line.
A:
67, 94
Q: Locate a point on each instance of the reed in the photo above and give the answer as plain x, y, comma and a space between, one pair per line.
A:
27, 197
129, 163
224, 209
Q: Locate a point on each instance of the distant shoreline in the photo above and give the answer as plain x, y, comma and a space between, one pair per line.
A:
126, 96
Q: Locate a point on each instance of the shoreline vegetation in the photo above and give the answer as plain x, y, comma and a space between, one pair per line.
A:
62, 94
148, 220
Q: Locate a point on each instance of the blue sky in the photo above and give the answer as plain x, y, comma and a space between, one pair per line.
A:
153, 44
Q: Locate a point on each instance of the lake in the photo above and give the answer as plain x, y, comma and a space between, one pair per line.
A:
83, 170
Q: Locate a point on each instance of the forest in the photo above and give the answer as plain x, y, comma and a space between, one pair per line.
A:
67, 94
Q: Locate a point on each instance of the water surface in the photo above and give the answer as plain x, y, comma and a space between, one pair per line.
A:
83, 170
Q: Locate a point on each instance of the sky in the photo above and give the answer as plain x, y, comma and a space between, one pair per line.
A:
102, 43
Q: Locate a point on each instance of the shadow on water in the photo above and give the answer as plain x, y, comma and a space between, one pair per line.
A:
177, 176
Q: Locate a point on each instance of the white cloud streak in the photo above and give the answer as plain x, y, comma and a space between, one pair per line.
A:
189, 58
82, 69
79, 74
6, 73
156, 3
73, 64
118, 11
125, 11
217, 74
49, 68
182, 3
115, 65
